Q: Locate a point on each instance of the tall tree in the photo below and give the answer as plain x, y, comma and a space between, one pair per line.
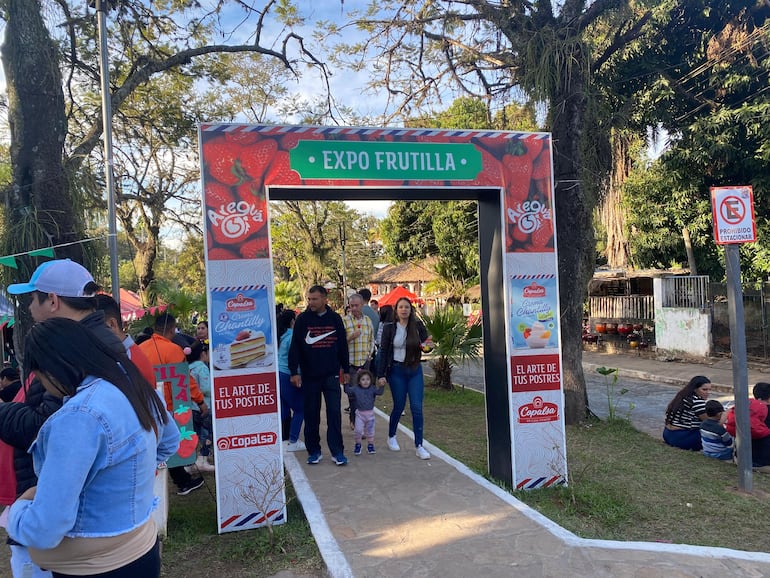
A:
306, 239
549, 50
709, 90
53, 82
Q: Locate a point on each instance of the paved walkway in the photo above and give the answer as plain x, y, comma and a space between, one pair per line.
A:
391, 514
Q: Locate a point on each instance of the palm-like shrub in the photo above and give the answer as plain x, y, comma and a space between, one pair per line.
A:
455, 341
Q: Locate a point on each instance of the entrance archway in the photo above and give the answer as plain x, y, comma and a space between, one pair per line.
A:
507, 173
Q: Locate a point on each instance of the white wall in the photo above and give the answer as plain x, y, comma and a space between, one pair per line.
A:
681, 330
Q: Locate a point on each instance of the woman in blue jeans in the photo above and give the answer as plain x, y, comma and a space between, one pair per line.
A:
401, 347
292, 400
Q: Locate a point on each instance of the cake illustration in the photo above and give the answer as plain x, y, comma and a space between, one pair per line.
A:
249, 345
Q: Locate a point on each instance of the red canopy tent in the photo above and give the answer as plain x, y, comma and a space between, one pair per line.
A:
131, 306
396, 294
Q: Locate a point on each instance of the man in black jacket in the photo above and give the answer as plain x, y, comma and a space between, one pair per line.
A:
318, 351
59, 288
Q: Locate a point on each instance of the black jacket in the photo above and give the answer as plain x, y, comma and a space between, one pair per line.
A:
10, 390
319, 345
20, 421
385, 354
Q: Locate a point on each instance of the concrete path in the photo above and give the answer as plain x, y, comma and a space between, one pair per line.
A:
391, 514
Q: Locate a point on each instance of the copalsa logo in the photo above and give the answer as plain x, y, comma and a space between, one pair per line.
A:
538, 411
247, 440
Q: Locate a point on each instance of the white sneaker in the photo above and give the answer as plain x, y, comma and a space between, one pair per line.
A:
422, 453
297, 446
393, 444
203, 465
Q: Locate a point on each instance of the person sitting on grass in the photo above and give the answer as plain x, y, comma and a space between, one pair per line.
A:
684, 414
759, 422
717, 442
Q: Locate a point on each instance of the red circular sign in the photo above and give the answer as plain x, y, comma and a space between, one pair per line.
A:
732, 210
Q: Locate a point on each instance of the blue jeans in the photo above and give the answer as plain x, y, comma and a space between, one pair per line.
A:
686, 439
292, 405
405, 380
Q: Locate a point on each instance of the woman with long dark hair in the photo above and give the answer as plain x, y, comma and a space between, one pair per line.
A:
685, 413
95, 459
292, 400
401, 348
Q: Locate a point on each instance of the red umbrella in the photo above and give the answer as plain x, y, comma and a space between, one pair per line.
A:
396, 294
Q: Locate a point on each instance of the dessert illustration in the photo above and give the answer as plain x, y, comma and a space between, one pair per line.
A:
537, 336
249, 345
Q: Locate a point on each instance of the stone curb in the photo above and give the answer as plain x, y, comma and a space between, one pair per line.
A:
643, 375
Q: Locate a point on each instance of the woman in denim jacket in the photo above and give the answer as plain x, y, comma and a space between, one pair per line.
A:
95, 459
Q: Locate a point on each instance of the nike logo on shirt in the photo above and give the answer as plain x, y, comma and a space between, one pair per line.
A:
313, 340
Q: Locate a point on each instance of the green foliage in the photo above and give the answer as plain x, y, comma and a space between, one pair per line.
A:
610, 384
414, 230
455, 341
306, 241
290, 293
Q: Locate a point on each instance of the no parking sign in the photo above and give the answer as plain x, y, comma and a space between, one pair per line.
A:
733, 210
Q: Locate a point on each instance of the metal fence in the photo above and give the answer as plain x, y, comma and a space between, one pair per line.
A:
691, 291
622, 308
756, 306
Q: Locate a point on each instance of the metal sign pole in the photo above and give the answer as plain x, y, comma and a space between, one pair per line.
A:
740, 371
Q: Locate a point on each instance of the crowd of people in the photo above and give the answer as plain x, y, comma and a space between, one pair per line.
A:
364, 350
85, 424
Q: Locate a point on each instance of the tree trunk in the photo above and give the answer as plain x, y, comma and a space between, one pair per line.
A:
40, 203
36, 115
612, 213
575, 238
690, 253
442, 373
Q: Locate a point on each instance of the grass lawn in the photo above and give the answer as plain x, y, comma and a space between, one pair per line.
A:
624, 484
194, 550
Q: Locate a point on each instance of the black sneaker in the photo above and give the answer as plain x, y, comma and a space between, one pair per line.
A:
193, 485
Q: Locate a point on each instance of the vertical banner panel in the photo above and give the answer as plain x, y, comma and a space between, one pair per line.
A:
239, 279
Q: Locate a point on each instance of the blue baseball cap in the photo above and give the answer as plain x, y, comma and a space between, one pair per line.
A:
62, 277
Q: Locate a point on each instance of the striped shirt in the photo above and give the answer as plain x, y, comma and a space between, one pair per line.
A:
714, 437
359, 349
686, 415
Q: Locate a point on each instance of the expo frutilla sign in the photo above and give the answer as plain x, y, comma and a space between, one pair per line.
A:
338, 159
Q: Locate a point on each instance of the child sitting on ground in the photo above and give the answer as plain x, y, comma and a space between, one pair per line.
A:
363, 394
717, 443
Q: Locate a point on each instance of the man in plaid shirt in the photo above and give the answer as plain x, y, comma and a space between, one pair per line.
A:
360, 334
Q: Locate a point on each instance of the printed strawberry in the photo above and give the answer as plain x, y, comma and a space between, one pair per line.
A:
543, 236
242, 137
290, 140
220, 157
188, 442
541, 168
221, 254
245, 334
182, 414
256, 248
534, 146
527, 332
254, 195
217, 194
256, 158
518, 235
518, 173
280, 171
492, 172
